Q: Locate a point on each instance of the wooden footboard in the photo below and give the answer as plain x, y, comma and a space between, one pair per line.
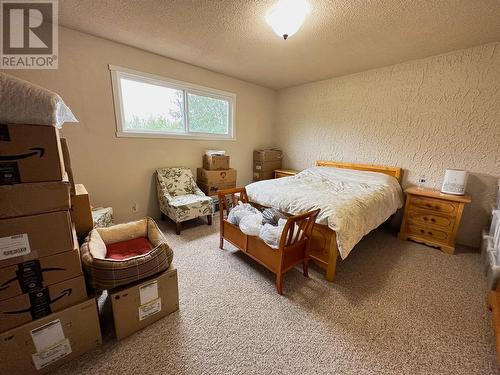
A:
293, 246
323, 247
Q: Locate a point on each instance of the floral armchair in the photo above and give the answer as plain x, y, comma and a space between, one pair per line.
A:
180, 198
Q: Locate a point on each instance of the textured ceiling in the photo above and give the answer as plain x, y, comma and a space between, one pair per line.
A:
338, 37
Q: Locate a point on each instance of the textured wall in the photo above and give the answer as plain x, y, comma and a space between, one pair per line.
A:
119, 171
424, 115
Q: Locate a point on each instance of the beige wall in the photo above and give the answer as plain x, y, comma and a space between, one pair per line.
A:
119, 171
425, 116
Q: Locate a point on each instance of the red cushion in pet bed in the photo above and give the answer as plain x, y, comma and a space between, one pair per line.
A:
128, 249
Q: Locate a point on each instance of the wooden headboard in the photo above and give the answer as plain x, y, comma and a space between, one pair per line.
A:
395, 172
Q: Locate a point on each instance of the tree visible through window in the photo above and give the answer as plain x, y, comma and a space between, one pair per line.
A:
153, 106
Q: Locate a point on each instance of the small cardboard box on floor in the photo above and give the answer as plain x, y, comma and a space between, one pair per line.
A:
137, 306
41, 346
30, 153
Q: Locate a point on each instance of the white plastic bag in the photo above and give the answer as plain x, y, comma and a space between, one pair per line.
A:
22, 102
239, 212
271, 234
251, 224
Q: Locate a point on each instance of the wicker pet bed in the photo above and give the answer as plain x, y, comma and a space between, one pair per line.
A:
125, 253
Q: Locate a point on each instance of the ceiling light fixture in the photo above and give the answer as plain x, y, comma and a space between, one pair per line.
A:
287, 16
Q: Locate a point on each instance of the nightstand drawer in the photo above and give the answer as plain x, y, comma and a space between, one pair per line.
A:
424, 218
447, 208
430, 233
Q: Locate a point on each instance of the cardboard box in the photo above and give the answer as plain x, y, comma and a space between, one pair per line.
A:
212, 189
271, 154
30, 237
25, 307
67, 165
266, 166
34, 198
216, 177
81, 211
41, 346
30, 153
259, 176
215, 162
137, 306
39, 273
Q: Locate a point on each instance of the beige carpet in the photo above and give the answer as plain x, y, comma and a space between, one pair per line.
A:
395, 308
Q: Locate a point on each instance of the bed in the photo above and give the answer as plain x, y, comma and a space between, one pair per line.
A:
354, 199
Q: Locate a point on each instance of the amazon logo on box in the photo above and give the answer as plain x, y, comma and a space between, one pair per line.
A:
26, 307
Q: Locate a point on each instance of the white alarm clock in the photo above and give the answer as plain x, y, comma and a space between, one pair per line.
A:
455, 182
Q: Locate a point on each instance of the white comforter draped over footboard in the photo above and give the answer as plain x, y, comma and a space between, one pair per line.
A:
352, 203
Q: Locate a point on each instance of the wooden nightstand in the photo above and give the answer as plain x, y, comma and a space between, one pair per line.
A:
432, 218
284, 173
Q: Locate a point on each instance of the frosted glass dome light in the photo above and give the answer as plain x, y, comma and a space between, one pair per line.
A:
287, 16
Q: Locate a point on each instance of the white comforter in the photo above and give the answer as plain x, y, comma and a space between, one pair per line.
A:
352, 202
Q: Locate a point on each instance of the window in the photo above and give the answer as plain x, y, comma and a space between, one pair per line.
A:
152, 106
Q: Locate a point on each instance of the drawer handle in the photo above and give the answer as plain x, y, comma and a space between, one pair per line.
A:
437, 207
426, 218
433, 220
429, 205
422, 231
429, 233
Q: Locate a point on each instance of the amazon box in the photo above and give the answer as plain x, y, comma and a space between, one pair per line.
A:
216, 177
213, 188
29, 237
30, 153
81, 211
39, 273
41, 346
215, 162
266, 166
270, 154
36, 304
137, 306
34, 198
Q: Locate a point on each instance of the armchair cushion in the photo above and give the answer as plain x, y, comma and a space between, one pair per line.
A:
178, 181
189, 206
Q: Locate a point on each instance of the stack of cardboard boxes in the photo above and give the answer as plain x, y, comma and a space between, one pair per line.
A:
215, 174
265, 162
46, 317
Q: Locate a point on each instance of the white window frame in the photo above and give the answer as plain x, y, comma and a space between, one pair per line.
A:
118, 72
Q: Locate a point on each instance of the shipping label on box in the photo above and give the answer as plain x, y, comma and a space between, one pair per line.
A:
50, 344
14, 246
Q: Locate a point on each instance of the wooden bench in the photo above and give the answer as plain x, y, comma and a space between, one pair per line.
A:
293, 245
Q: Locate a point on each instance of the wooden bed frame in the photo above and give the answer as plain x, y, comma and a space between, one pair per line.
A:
323, 248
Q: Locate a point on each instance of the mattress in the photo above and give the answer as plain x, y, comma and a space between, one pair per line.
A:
352, 203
